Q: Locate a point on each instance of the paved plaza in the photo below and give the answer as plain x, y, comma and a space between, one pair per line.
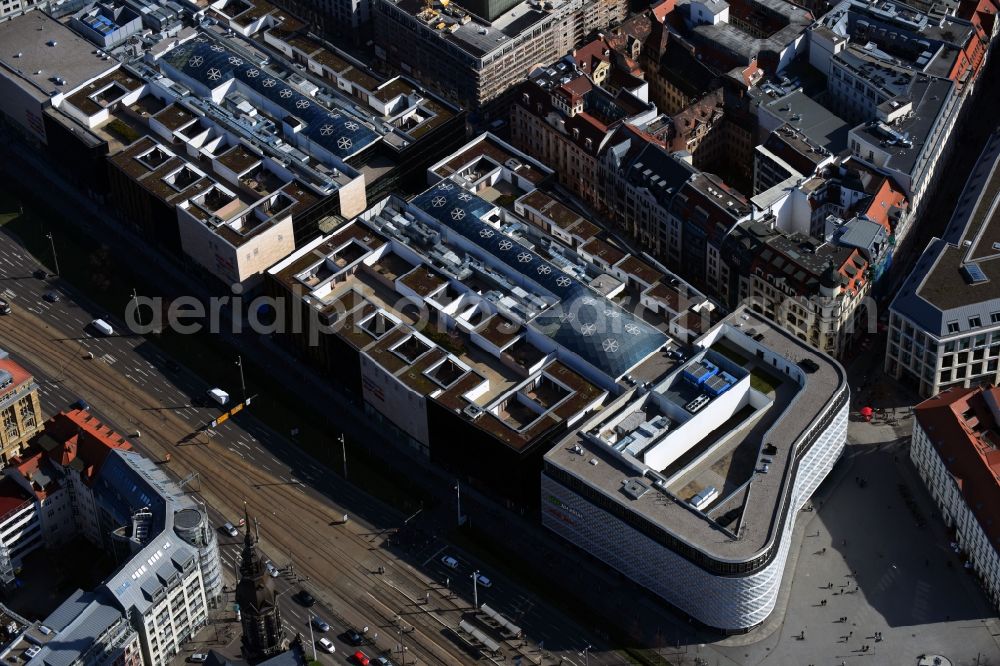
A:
864, 556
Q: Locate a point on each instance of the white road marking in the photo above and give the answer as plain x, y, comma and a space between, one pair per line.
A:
441, 550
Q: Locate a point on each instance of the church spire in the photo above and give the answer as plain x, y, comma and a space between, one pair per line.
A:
247, 537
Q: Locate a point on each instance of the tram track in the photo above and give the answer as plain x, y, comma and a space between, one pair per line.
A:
226, 479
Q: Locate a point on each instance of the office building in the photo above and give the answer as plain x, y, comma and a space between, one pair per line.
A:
944, 324
474, 59
954, 450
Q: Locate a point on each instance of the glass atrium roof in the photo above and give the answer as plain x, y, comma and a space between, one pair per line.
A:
212, 64
584, 322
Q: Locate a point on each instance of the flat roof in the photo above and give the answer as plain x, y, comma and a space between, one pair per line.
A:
470, 36
365, 293
795, 411
38, 49
940, 289
812, 119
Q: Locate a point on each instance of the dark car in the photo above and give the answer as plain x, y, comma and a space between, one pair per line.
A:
352, 637
4, 307
306, 599
173, 366
81, 404
319, 624
51, 296
40, 273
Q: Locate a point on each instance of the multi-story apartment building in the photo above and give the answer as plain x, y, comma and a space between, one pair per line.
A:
85, 630
122, 502
954, 448
637, 181
20, 527
633, 485
19, 408
873, 46
944, 325
904, 76
908, 137
474, 58
671, 65
561, 117
815, 291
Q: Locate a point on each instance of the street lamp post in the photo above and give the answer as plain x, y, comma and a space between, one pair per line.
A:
458, 502
312, 638
243, 384
399, 630
475, 589
135, 299
343, 453
586, 654
55, 259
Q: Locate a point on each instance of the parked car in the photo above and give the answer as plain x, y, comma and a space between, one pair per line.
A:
230, 529
81, 404
4, 307
449, 562
306, 599
361, 658
198, 658
484, 581
40, 273
326, 645
51, 296
353, 637
319, 624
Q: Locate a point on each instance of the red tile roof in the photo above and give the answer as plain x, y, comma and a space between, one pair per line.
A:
19, 374
12, 496
885, 199
81, 436
964, 431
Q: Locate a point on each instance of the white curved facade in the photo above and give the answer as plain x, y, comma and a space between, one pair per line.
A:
731, 603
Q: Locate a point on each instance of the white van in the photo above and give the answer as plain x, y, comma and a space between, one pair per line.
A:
102, 327
218, 395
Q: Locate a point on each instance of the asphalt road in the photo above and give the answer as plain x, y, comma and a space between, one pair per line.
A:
137, 389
